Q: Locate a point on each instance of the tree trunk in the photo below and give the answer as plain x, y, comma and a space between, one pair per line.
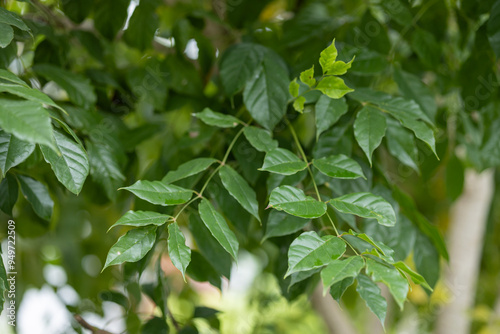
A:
465, 242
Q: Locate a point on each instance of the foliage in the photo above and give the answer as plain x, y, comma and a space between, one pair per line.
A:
243, 127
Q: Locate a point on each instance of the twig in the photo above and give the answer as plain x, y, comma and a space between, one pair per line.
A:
88, 326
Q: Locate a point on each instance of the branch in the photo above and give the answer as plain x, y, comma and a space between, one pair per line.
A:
88, 326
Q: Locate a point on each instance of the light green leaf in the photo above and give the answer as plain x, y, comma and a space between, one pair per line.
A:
401, 144
339, 166
9, 76
282, 161
132, 246
260, 139
238, 187
281, 223
6, 35
309, 251
266, 94
415, 277
78, 87
217, 225
390, 276
9, 191
28, 121
293, 88
159, 193
328, 112
366, 205
327, 57
13, 151
179, 253
293, 201
307, 77
371, 294
333, 87
298, 104
339, 270
141, 218
382, 249
369, 129
10, 18
217, 119
38, 196
187, 169
71, 167
339, 67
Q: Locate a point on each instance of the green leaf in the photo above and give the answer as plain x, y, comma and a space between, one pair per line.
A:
179, 253
141, 218
10, 18
142, 26
238, 65
280, 223
28, 93
11, 77
217, 225
38, 196
413, 88
493, 26
338, 289
427, 48
455, 177
422, 131
293, 88
260, 139
339, 270
369, 129
328, 112
307, 77
366, 205
339, 67
71, 167
132, 246
298, 104
78, 87
390, 276
238, 187
401, 145
309, 251
9, 191
415, 277
213, 118
155, 325
159, 193
27, 120
382, 249
201, 270
13, 151
3, 283
282, 161
293, 201
6, 35
266, 94
371, 294
327, 57
333, 87
109, 17
339, 166
426, 258
187, 169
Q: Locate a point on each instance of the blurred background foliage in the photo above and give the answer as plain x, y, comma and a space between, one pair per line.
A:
135, 72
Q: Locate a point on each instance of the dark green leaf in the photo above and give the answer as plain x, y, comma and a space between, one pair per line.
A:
213, 118
494, 28
110, 16
455, 175
238, 187
328, 112
401, 144
369, 129
366, 205
309, 251
280, 223
339, 270
370, 293
6, 34
187, 169
155, 325
159, 193
132, 246
282, 161
10, 18
260, 139
71, 167
413, 88
217, 225
338, 289
141, 218
142, 25
179, 253
293, 201
339, 166
38, 196
13, 151
426, 47
390, 276
9, 191
201, 270
426, 259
